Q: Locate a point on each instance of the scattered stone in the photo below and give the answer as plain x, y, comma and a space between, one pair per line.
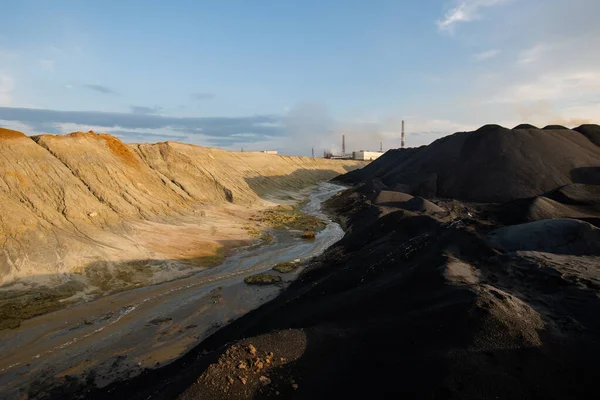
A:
230, 379
262, 279
264, 380
308, 235
252, 349
284, 267
242, 365
295, 386
242, 379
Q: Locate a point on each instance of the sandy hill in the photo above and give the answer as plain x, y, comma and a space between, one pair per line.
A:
492, 164
69, 201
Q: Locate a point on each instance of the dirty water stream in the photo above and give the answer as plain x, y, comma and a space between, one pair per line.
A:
117, 336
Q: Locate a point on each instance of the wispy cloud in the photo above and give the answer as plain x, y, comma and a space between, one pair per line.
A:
486, 55
100, 89
203, 96
146, 110
6, 87
552, 86
536, 52
465, 11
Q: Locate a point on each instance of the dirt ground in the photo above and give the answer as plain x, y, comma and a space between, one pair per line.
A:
85, 215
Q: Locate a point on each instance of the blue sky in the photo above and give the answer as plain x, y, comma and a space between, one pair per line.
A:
289, 75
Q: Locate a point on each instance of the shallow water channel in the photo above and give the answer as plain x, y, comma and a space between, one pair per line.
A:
116, 336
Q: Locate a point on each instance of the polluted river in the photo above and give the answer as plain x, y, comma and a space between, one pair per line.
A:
117, 336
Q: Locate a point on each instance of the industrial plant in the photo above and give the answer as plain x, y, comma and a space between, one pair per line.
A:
363, 155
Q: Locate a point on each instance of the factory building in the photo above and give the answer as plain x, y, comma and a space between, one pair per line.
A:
366, 155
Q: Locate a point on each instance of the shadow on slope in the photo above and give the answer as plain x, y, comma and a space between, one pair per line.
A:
281, 186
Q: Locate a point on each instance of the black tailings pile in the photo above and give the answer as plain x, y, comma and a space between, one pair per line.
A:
435, 298
492, 164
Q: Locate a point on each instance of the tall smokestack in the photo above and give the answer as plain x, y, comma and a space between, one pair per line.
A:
402, 143
343, 144
381, 147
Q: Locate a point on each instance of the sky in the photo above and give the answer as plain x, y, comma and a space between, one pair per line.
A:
293, 75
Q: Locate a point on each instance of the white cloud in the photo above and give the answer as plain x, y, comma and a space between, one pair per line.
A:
6, 87
68, 86
486, 55
465, 11
553, 86
269, 124
17, 126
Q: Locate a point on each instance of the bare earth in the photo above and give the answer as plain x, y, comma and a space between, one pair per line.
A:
117, 336
84, 215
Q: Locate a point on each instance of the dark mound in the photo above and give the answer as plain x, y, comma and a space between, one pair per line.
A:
400, 187
560, 236
371, 188
410, 306
490, 128
590, 131
555, 128
405, 201
391, 199
575, 201
577, 194
377, 167
421, 205
525, 126
535, 209
492, 164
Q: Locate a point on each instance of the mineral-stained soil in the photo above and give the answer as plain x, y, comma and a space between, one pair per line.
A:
489, 290
107, 216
